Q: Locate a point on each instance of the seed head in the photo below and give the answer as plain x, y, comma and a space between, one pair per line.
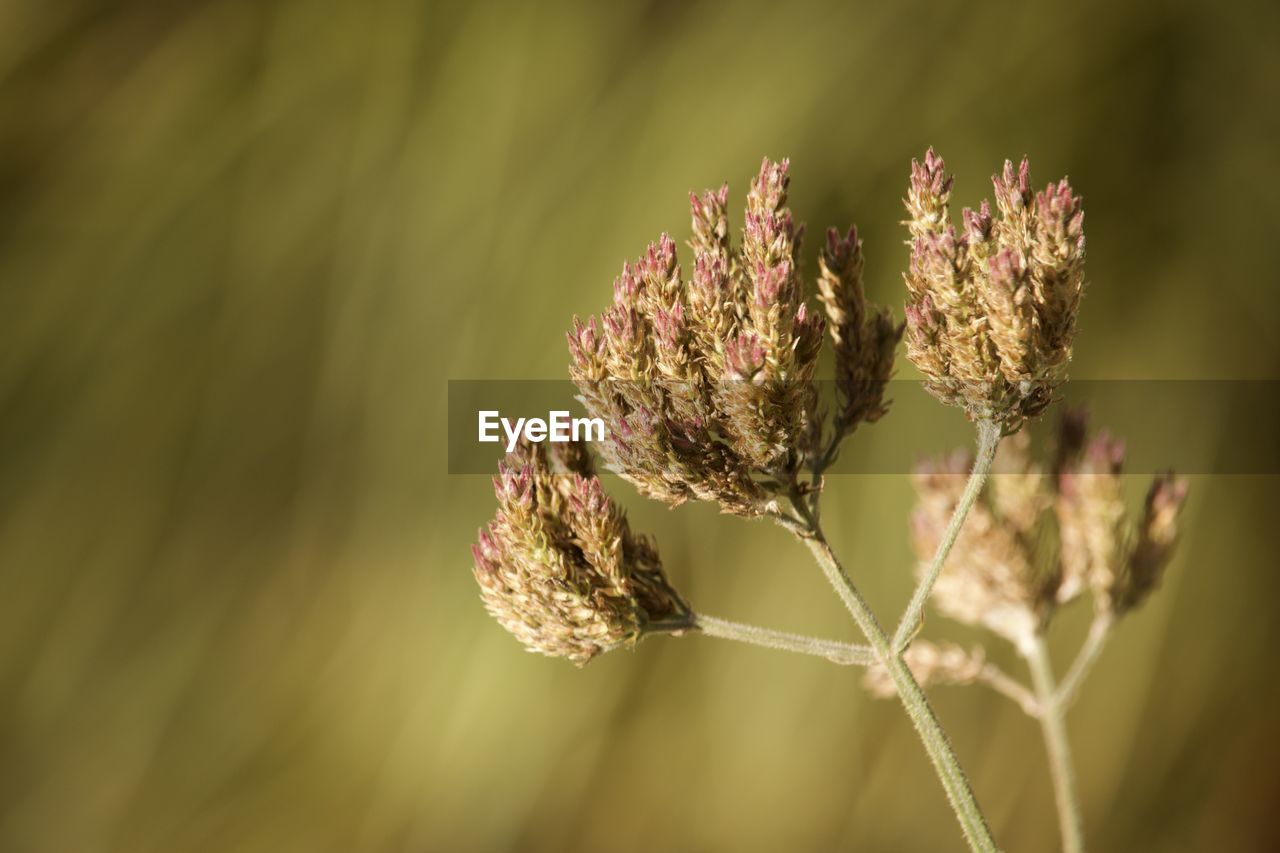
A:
1092, 520
864, 338
706, 387
991, 577
1156, 537
1102, 548
559, 567
991, 309
1004, 572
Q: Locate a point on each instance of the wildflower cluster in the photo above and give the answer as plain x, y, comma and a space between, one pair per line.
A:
559, 566
706, 385
864, 338
706, 388
1005, 573
1103, 550
991, 309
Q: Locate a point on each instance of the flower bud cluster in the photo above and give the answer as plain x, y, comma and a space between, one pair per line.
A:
992, 306
706, 385
1039, 536
1119, 559
864, 338
559, 566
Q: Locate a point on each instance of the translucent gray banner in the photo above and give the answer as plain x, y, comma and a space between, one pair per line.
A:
1192, 426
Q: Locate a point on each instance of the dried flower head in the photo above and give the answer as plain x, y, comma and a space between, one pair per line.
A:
992, 576
864, 338
931, 664
1155, 539
1092, 520
706, 386
559, 567
991, 308
1102, 548
1004, 572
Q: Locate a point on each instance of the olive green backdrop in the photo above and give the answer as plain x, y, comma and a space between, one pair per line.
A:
243, 247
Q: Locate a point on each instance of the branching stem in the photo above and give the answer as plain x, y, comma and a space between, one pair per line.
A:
1090, 651
845, 654
1053, 725
935, 741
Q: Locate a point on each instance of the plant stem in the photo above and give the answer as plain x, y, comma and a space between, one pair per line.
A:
842, 653
999, 681
1057, 745
913, 699
1090, 650
988, 441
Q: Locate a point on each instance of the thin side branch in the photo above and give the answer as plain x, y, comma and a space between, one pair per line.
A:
845, 654
1058, 747
988, 441
1005, 684
1090, 651
789, 521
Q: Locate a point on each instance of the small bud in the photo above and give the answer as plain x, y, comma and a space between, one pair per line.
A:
1013, 190
1092, 521
744, 357
1073, 428
1157, 536
1100, 547
977, 226
770, 284
626, 287
669, 328
864, 337
586, 348
928, 195
626, 334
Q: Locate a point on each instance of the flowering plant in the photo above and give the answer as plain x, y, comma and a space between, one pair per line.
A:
706, 387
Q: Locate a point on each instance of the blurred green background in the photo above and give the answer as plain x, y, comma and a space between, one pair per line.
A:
243, 247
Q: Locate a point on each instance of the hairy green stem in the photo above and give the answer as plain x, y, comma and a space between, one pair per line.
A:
845, 654
988, 441
1057, 745
945, 763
